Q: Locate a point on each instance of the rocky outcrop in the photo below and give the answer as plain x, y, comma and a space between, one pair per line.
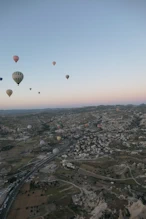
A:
137, 210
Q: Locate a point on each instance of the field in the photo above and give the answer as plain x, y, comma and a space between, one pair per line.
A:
19, 154
35, 201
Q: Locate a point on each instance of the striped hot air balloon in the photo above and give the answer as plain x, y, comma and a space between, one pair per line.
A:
17, 77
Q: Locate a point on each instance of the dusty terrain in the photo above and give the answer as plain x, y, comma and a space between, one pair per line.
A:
100, 175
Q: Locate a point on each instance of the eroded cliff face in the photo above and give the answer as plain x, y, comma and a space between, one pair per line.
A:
137, 211
98, 210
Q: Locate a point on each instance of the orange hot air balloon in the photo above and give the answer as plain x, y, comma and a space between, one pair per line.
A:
54, 63
16, 58
67, 76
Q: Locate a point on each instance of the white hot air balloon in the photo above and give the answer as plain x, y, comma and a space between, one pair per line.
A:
9, 92
55, 151
17, 77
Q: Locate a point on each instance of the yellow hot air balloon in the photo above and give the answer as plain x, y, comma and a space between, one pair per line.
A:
9, 92
17, 77
58, 138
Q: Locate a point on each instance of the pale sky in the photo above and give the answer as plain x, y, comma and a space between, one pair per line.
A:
101, 44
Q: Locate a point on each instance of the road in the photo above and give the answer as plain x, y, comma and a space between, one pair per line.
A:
5, 211
65, 181
135, 179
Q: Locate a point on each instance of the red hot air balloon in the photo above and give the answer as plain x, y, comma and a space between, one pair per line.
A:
54, 63
16, 58
99, 126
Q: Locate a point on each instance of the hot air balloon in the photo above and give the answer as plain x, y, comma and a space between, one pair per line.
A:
67, 76
42, 142
30, 88
55, 151
58, 126
54, 63
17, 77
38, 92
99, 126
16, 58
29, 126
1, 79
9, 92
58, 138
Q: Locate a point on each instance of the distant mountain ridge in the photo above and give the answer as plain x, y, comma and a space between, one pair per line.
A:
23, 111
77, 109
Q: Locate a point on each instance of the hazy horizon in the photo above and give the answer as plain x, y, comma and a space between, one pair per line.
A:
74, 106
100, 44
